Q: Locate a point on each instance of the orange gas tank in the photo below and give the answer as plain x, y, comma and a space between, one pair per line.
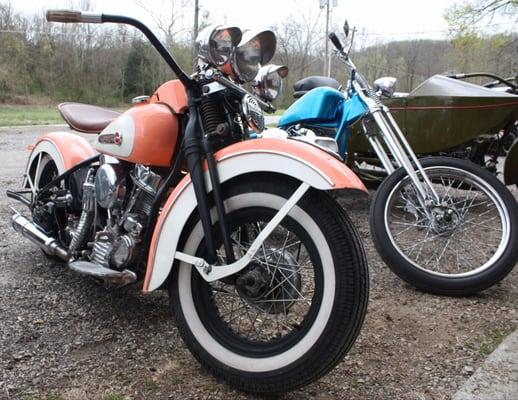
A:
145, 134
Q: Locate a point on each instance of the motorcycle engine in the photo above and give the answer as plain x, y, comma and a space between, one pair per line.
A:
127, 198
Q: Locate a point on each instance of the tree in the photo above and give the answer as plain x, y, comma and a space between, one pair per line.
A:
299, 45
474, 51
169, 23
137, 80
463, 17
15, 77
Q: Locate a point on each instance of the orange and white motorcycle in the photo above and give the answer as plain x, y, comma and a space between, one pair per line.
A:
266, 274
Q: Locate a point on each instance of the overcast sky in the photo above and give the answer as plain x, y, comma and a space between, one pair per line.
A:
379, 19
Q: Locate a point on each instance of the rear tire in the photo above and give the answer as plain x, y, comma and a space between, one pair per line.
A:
312, 338
43, 170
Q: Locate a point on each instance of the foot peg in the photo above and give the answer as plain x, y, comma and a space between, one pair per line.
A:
119, 278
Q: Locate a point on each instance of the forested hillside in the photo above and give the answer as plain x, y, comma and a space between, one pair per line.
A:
43, 62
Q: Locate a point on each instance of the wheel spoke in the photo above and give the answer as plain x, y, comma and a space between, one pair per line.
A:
282, 304
462, 233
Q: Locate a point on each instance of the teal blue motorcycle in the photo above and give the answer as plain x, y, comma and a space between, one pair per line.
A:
444, 225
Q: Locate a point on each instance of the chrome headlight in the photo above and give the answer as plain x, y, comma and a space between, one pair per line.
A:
268, 82
256, 48
215, 44
385, 86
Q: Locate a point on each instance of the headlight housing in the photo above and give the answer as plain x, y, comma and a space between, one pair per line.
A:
256, 48
385, 86
268, 82
215, 44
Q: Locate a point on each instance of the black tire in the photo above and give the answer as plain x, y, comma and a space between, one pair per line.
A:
402, 250
49, 172
42, 170
41, 175
250, 364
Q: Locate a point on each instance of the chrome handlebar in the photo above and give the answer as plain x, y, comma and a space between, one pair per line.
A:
360, 83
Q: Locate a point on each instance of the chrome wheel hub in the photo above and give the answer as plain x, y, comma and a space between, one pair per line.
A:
269, 288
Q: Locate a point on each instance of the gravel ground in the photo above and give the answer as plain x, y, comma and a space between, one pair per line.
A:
66, 337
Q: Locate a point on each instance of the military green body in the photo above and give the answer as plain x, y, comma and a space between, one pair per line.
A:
443, 113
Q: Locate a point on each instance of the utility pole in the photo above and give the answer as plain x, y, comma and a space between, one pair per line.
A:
327, 59
196, 13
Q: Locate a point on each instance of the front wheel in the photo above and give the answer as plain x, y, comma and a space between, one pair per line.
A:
461, 246
294, 311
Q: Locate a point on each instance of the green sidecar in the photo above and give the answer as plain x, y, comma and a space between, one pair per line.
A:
448, 116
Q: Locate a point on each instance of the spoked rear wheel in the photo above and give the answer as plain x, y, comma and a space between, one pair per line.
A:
294, 311
463, 245
43, 171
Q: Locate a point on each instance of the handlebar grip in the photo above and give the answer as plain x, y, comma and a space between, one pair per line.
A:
69, 16
336, 41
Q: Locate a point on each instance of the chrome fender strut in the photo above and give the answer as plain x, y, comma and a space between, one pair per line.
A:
212, 273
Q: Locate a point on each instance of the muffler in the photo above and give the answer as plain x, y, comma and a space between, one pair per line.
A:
32, 232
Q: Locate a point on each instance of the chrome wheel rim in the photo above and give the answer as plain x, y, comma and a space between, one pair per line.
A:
476, 237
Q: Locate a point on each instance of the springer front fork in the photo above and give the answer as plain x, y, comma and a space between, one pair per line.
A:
402, 153
193, 147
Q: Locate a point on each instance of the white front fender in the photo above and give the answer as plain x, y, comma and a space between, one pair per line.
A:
286, 157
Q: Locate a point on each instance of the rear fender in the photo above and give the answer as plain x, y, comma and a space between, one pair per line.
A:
511, 165
285, 157
66, 150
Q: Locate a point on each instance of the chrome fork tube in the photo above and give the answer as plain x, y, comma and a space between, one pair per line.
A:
410, 151
403, 160
382, 154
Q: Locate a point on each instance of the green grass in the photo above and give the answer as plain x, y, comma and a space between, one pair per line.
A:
15, 115
279, 112
29, 115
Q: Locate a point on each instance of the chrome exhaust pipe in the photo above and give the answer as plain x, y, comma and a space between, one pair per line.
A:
32, 232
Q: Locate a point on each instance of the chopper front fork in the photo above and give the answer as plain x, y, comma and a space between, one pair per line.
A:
403, 154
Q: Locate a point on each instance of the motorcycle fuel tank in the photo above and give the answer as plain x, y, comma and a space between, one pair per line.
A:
145, 134
322, 104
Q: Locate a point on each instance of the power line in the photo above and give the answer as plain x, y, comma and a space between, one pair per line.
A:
428, 32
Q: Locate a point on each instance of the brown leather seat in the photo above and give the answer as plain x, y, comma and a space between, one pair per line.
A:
86, 118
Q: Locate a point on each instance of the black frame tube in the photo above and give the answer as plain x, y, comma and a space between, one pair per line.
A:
218, 200
68, 172
19, 197
192, 151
